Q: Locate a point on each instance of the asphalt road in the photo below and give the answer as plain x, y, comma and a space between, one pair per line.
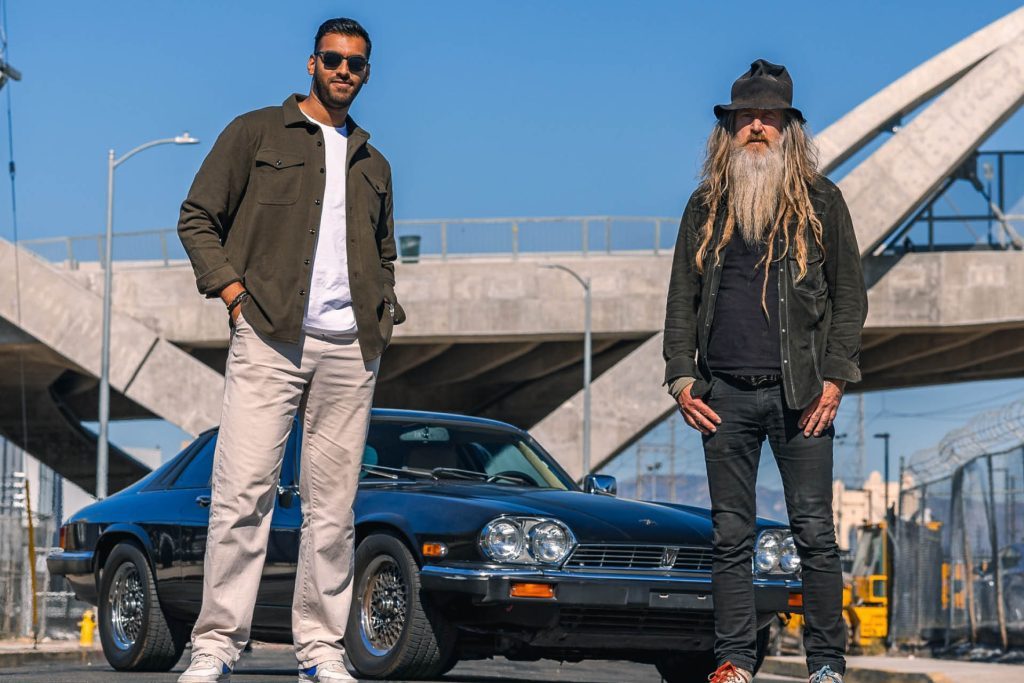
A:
275, 665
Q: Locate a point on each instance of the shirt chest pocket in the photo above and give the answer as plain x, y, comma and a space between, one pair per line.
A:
375, 192
278, 177
813, 280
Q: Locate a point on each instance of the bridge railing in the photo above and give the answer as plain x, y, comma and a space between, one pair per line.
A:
427, 239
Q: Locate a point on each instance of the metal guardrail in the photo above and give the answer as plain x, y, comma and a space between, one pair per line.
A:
428, 239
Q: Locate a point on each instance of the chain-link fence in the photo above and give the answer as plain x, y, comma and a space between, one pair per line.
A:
958, 556
54, 612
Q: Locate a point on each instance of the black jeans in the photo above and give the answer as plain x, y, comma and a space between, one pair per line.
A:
749, 416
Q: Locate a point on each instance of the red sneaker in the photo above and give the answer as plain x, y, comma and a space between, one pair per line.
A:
727, 673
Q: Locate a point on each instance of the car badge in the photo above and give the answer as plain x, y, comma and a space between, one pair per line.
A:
648, 522
669, 557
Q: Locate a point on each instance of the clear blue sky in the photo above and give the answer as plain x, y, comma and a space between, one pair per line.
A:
484, 109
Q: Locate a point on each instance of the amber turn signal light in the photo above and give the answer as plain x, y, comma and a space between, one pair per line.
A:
796, 599
532, 590
434, 550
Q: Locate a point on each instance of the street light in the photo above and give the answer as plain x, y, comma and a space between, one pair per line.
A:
102, 448
585, 282
885, 436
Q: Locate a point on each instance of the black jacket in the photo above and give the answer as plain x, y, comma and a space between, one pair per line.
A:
821, 316
253, 216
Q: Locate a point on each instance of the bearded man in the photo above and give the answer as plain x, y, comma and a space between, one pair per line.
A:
290, 222
762, 333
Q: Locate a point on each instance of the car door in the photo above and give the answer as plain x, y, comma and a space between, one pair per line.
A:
193, 486
194, 515
274, 600
154, 510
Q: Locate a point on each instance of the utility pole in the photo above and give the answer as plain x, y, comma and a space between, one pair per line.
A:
861, 445
885, 437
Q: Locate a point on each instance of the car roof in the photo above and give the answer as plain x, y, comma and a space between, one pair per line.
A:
395, 414
402, 414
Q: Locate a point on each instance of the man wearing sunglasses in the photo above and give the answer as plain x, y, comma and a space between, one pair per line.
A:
289, 222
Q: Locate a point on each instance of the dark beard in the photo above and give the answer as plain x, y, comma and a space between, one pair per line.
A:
330, 101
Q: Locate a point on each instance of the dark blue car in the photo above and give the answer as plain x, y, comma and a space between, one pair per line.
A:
472, 542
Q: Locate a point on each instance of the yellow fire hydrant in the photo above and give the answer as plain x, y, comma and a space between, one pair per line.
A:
88, 628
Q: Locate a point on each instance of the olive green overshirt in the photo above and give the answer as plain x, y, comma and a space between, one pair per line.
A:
252, 216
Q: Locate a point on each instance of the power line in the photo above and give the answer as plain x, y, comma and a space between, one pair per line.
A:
7, 72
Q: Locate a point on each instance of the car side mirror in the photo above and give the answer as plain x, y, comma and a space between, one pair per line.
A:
287, 495
601, 484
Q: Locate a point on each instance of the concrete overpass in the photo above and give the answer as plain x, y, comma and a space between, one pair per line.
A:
503, 338
488, 337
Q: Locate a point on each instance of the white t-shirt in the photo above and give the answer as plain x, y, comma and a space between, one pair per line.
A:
329, 306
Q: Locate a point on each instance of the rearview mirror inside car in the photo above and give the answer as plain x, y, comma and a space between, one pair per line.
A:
426, 434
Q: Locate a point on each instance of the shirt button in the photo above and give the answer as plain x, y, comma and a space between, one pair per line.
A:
317, 202
312, 231
307, 263
321, 170
319, 143
302, 292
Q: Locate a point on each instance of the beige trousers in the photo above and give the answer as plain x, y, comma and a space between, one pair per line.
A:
266, 382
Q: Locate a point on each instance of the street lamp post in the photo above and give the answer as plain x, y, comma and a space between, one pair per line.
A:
102, 445
587, 349
885, 437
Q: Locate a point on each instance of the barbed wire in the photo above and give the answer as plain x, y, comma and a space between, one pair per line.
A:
993, 431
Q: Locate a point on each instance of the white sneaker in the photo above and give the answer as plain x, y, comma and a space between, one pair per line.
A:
825, 675
206, 669
332, 671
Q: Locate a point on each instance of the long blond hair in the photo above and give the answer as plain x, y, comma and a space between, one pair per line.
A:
795, 214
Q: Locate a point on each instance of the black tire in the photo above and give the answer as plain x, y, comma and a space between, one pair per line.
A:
409, 639
764, 639
695, 667
687, 667
135, 634
451, 662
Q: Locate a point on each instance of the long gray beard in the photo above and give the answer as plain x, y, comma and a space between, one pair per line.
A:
755, 186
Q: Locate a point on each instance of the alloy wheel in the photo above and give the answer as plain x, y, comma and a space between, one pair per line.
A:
383, 608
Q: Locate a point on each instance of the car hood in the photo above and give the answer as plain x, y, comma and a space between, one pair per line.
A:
592, 518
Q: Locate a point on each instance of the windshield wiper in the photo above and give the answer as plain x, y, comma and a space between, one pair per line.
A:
394, 472
471, 474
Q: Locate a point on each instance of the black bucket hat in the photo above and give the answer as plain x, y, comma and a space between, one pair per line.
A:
764, 86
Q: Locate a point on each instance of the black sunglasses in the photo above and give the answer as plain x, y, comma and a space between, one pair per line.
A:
332, 60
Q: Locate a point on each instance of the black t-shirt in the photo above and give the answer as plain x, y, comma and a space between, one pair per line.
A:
744, 341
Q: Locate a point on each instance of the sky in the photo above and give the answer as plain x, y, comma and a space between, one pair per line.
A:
484, 109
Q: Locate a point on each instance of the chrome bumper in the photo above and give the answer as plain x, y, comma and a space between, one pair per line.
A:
692, 591
64, 562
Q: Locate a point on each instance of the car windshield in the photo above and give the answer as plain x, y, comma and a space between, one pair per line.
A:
463, 453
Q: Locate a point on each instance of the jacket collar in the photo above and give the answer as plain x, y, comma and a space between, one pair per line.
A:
293, 116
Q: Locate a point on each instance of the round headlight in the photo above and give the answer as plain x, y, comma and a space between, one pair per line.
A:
502, 540
769, 549
549, 542
789, 560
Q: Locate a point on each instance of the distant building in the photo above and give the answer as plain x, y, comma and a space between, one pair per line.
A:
854, 507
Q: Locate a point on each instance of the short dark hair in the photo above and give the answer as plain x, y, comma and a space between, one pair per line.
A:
344, 26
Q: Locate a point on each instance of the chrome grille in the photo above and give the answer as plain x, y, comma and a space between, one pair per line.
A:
649, 557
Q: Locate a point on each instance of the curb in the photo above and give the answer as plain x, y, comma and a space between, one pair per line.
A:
22, 657
854, 674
